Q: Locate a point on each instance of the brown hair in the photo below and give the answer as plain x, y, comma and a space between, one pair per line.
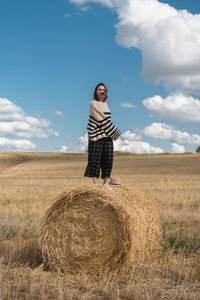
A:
95, 97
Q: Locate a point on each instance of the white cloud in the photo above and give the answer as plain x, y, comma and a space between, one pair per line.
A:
19, 145
131, 142
166, 132
128, 105
59, 113
25, 129
128, 142
85, 8
176, 148
109, 3
131, 136
64, 149
82, 145
169, 40
137, 147
79, 146
13, 122
177, 107
9, 111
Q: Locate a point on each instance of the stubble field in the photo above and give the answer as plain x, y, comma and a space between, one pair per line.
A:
30, 182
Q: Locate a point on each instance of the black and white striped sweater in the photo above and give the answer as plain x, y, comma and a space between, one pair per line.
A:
100, 124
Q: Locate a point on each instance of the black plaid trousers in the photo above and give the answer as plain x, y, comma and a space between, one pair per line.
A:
100, 156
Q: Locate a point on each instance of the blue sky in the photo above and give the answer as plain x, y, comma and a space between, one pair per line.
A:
53, 53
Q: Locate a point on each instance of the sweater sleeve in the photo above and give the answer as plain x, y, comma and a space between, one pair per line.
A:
100, 120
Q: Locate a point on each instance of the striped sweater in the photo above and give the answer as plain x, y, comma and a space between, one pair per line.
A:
100, 124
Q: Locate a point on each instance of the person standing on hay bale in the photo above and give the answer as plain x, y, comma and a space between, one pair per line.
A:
101, 133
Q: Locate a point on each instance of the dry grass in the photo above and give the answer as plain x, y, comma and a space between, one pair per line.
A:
91, 230
30, 182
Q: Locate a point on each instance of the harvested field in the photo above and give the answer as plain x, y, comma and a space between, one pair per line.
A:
30, 183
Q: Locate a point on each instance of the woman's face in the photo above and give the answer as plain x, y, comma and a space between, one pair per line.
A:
101, 93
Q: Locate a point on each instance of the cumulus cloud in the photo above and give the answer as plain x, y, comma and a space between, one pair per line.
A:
137, 147
131, 142
19, 145
64, 149
80, 145
131, 136
128, 142
169, 40
176, 148
13, 122
177, 107
83, 143
166, 132
128, 105
9, 111
25, 130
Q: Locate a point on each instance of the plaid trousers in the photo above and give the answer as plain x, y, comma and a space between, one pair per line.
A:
100, 156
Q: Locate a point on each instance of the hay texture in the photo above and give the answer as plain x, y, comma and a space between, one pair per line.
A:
90, 229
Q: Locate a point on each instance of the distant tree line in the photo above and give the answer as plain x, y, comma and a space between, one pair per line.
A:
198, 149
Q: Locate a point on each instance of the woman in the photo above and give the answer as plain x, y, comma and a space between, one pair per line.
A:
101, 133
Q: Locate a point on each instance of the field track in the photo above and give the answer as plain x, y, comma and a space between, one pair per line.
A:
9, 160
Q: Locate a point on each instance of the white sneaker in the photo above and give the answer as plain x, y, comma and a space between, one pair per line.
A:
106, 185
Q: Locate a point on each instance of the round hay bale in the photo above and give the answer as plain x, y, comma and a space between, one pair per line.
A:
90, 229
